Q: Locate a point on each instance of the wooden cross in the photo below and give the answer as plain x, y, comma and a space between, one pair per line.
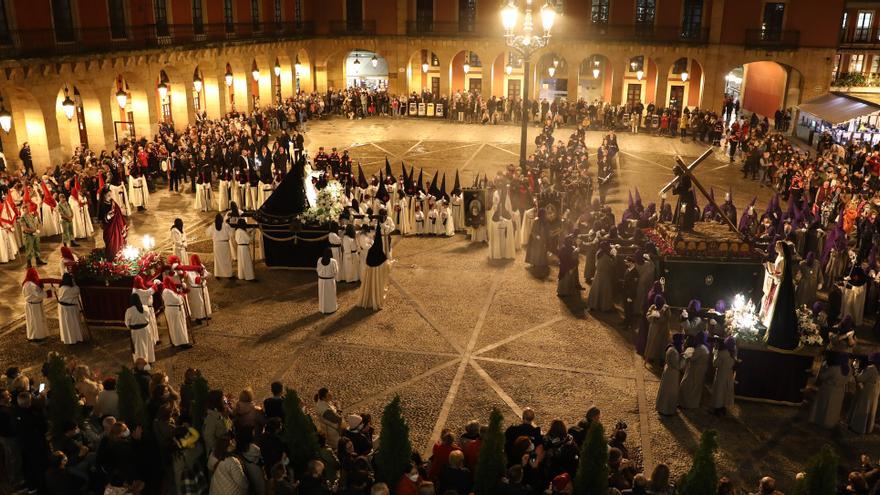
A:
688, 171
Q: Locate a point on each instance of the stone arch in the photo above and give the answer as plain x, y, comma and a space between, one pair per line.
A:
764, 86
365, 68
552, 76
685, 78
595, 78
28, 126
467, 71
507, 74
304, 70
421, 71
639, 79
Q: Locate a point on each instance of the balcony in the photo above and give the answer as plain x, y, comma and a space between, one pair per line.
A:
352, 28
457, 29
773, 40
43, 42
639, 33
859, 39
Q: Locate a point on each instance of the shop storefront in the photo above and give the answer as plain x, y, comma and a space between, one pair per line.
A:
848, 118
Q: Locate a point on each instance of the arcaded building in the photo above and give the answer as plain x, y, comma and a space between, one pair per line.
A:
130, 64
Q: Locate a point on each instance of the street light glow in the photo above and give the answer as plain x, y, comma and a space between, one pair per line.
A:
68, 105
509, 15
121, 98
163, 90
5, 117
508, 69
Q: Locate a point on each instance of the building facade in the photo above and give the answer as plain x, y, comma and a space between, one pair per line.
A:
129, 64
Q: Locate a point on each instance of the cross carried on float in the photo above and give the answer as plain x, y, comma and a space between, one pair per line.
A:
688, 170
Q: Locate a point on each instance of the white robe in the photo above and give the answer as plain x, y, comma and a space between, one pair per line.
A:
457, 203
350, 260
336, 249
178, 245
141, 341
223, 195
176, 317
68, 315
667, 394
854, 303
502, 242
364, 241
146, 297
245, 263
864, 410
387, 228
203, 197
264, 193
222, 251
374, 286
8, 247
526, 231
82, 220
137, 191
37, 328
447, 222
404, 222
118, 194
327, 275
722, 386
198, 297
51, 221
419, 223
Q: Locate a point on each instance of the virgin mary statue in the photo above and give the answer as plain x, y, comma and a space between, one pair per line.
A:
777, 306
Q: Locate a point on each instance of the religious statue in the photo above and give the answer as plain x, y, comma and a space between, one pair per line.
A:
778, 304
685, 211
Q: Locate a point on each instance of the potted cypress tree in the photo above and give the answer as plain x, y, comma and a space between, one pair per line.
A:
592, 473
491, 464
64, 405
131, 404
299, 435
703, 475
395, 449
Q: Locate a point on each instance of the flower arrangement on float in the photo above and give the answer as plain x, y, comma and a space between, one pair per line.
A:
741, 320
327, 205
129, 262
808, 328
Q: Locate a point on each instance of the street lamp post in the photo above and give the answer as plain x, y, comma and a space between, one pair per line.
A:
526, 43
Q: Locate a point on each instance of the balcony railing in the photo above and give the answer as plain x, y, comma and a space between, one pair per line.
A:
351, 27
569, 30
773, 40
859, 39
43, 42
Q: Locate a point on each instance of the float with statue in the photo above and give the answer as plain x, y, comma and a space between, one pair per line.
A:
777, 342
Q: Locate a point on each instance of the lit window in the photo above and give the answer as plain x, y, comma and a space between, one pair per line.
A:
856, 62
599, 12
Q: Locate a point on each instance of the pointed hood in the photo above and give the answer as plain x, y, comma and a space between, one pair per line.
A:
362, 179
432, 189
408, 187
376, 254
382, 193
630, 203
420, 184
443, 193
47, 195
456, 188
388, 173
403, 174
638, 199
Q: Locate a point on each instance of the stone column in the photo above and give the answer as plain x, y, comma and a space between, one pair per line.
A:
48, 152
662, 87
618, 80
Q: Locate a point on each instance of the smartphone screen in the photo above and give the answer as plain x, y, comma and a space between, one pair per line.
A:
42, 387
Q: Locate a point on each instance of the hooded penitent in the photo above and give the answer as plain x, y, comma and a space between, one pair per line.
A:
376, 254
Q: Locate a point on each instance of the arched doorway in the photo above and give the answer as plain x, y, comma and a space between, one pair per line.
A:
640, 81
198, 91
302, 68
71, 118
366, 69
466, 72
124, 126
552, 75
163, 97
595, 79
762, 87
507, 75
684, 84
423, 72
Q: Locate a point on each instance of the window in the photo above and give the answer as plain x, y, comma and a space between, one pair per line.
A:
279, 12
198, 17
875, 64
62, 16
354, 15
5, 34
836, 65
645, 12
467, 15
161, 11
435, 62
297, 12
599, 12
228, 16
474, 60
692, 19
863, 25
117, 19
843, 26
255, 15
856, 62
425, 15
771, 25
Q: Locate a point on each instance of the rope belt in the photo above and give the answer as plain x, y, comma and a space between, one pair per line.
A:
335, 245
326, 278
195, 286
138, 326
66, 303
172, 305
244, 244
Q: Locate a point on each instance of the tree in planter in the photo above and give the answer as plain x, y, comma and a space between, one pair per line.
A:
820, 475
703, 476
395, 450
300, 435
491, 464
199, 407
592, 473
64, 403
131, 404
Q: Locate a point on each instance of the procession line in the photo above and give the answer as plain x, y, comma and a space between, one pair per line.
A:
465, 358
515, 336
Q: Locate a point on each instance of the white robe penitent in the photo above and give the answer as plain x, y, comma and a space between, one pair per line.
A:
146, 297
245, 261
141, 341
327, 286
37, 328
70, 329
176, 317
222, 251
